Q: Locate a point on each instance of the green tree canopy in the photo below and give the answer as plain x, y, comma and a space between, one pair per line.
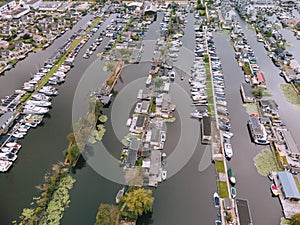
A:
295, 220
107, 215
139, 201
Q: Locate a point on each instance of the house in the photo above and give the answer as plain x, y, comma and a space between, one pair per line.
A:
228, 13
4, 44
6, 54
246, 91
133, 148
269, 106
7, 6
6, 120
49, 6
34, 4
288, 3
291, 147
38, 39
288, 186
154, 172
19, 46
259, 79
138, 124
263, 3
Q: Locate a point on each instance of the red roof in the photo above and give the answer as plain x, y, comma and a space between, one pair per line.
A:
260, 77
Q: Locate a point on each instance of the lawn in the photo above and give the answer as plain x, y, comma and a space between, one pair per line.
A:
220, 166
209, 91
223, 189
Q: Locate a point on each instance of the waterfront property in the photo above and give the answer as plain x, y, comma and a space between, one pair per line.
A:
257, 130
289, 193
246, 92
6, 120
206, 130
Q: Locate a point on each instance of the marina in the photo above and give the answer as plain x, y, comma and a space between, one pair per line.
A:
226, 108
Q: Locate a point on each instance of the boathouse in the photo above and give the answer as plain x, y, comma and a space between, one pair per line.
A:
291, 146
246, 92
206, 130
6, 121
288, 186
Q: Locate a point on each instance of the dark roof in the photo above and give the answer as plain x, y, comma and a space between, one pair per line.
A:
140, 121
206, 123
256, 126
131, 159
247, 90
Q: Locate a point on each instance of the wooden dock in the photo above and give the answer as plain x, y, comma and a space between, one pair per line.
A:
106, 88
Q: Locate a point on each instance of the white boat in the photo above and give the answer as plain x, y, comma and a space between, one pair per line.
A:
14, 145
32, 109
228, 150
149, 79
120, 195
18, 134
128, 123
233, 192
31, 124
164, 175
5, 149
4, 165
23, 130
271, 175
198, 114
8, 156
216, 199
48, 90
227, 134
172, 75
41, 97
39, 103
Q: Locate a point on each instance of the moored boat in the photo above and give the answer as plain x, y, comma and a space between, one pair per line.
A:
216, 199
4, 165
233, 192
231, 176
119, 195
275, 190
164, 175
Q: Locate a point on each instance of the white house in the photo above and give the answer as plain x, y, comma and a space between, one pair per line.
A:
8, 6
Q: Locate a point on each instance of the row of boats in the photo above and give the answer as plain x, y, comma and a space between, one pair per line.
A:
33, 110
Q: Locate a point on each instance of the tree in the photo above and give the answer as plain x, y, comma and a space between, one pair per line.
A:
103, 118
295, 220
71, 137
110, 66
139, 201
107, 215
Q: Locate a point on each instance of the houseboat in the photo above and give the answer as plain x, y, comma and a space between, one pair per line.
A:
257, 130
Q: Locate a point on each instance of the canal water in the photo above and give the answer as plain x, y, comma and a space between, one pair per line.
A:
250, 185
185, 198
43, 145
287, 111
